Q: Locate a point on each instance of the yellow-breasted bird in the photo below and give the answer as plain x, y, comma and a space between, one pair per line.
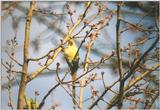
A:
72, 58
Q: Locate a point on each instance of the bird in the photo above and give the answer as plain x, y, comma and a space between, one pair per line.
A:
72, 58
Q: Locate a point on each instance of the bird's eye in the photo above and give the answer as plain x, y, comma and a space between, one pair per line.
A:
70, 43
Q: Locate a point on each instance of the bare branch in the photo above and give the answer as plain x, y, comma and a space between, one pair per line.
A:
120, 65
80, 19
26, 55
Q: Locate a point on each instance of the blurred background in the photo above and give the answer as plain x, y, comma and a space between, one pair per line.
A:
49, 27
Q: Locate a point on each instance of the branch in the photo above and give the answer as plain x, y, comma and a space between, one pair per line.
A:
149, 105
132, 70
139, 27
60, 82
120, 66
93, 37
26, 55
45, 97
97, 65
103, 93
116, 97
80, 19
132, 83
50, 91
98, 26
37, 59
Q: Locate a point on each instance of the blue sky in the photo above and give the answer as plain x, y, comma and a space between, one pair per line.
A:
49, 39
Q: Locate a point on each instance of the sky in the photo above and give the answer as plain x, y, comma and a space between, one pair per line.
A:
49, 39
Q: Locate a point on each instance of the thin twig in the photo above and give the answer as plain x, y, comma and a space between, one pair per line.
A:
140, 28
103, 93
48, 93
13, 59
59, 81
13, 71
88, 71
